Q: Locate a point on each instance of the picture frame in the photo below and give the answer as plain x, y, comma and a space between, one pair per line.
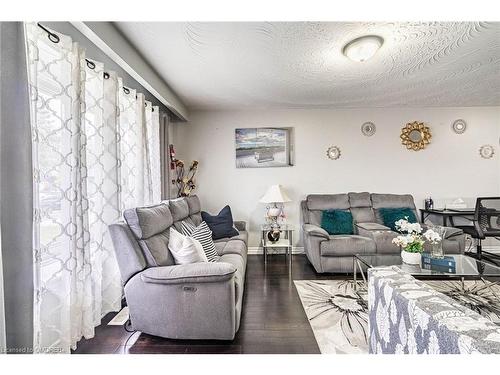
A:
266, 147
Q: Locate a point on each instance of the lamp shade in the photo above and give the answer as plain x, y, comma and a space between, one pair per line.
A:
275, 194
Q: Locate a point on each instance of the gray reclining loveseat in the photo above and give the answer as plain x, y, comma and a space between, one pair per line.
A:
333, 253
192, 301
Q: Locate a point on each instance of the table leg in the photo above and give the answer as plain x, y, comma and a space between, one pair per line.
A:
355, 271
290, 241
362, 273
264, 247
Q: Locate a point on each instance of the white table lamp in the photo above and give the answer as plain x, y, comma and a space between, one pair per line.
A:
275, 196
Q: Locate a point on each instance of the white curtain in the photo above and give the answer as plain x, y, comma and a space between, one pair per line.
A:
95, 154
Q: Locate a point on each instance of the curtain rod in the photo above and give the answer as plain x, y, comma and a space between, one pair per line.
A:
54, 38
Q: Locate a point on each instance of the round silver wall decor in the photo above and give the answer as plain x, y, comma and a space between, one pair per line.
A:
459, 126
333, 152
368, 128
487, 151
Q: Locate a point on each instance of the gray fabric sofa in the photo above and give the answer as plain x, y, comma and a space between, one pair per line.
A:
333, 253
408, 316
193, 301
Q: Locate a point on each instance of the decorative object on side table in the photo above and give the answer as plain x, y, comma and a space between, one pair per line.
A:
459, 126
458, 203
275, 239
429, 203
411, 240
273, 235
333, 152
486, 151
415, 136
275, 196
368, 129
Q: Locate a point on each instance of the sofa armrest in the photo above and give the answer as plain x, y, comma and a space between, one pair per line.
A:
314, 230
202, 272
452, 232
240, 225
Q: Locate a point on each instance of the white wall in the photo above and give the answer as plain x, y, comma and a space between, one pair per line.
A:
450, 167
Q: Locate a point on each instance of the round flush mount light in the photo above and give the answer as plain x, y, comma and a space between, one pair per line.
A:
363, 48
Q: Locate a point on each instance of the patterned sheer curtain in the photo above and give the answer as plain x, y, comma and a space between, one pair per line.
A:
95, 153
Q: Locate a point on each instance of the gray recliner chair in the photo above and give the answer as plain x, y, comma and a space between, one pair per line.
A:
193, 301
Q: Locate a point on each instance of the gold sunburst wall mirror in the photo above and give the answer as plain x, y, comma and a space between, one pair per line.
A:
415, 136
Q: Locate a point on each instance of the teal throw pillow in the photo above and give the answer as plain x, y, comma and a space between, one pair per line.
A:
391, 215
337, 222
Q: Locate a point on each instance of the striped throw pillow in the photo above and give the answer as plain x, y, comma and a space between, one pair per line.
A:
203, 234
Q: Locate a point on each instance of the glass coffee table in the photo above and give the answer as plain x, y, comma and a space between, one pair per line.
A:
466, 268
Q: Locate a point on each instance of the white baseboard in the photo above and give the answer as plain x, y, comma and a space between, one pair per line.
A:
258, 250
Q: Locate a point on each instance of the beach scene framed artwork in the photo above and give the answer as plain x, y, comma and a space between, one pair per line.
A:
263, 147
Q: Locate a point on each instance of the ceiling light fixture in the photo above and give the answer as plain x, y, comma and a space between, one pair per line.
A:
363, 48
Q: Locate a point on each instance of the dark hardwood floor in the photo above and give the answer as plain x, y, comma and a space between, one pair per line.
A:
272, 322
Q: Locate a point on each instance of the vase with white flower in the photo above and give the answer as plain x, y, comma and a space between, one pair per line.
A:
411, 240
435, 236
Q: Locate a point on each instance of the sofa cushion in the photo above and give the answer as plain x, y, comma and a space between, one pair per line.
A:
232, 247
337, 222
155, 250
242, 236
222, 224
219, 247
347, 245
359, 199
324, 202
391, 201
196, 218
362, 214
150, 227
179, 208
383, 240
194, 204
145, 222
391, 215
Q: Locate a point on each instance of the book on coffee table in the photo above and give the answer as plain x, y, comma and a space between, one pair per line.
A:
443, 269
447, 261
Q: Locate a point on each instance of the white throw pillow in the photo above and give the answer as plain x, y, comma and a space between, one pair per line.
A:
184, 249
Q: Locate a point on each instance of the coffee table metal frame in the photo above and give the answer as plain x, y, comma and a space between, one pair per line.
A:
358, 261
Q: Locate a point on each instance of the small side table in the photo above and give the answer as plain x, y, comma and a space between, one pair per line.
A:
285, 241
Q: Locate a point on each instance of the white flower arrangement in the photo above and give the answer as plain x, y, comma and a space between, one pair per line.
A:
411, 238
432, 236
404, 226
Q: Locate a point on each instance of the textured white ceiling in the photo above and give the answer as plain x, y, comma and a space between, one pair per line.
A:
300, 64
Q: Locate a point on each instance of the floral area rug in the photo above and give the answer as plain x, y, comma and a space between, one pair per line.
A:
339, 315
